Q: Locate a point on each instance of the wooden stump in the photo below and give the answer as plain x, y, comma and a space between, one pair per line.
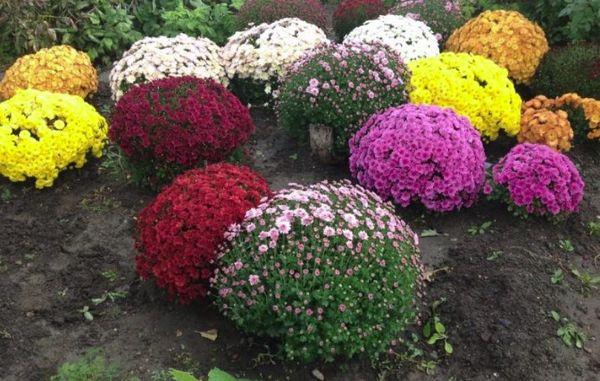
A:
321, 142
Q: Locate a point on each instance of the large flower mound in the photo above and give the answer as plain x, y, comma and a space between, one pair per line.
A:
261, 55
159, 57
473, 86
267, 11
341, 86
43, 133
351, 13
442, 16
542, 123
179, 122
328, 270
410, 38
422, 153
535, 179
505, 37
181, 229
59, 69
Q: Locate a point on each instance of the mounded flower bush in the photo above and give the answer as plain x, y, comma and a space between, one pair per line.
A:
59, 69
442, 16
267, 11
570, 69
410, 38
535, 179
542, 123
43, 133
257, 58
328, 270
473, 86
179, 232
177, 123
507, 38
352, 13
340, 86
154, 58
423, 154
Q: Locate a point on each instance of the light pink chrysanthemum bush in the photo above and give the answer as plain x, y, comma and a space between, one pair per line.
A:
328, 270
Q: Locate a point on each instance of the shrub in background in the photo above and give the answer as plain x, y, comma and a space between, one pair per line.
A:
542, 123
409, 38
179, 232
177, 123
424, 154
352, 13
340, 86
42, 134
442, 16
473, 86
261, 11
328, 270
60, 69
535, 179
570, 69
159, 57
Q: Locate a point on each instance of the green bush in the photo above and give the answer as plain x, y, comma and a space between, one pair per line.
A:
92, 366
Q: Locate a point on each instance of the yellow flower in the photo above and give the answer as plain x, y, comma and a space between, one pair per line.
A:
42, 133
505, 37
60, 69
471, 85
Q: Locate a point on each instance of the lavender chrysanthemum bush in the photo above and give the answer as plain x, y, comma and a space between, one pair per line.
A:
341, 86
423, 154
535, 179
328, 269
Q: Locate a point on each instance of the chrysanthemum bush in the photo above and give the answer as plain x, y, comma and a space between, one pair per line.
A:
535, 179
159, 57
267, 11
59, 69
43, 133
584, 114
423, 154
256, 58
442, 16
473, 86
177, 123
411, 39
542, 123
340, 86
350, 14
181, 229
505, 37
328, 270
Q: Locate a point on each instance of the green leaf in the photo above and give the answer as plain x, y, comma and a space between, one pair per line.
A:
433, 339
439, 328
179, 375
555, 315
430, 233
427, 330
448, 347
217, 374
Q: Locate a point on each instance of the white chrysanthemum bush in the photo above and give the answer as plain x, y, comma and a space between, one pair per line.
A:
328, 270
160, 57
256, 58
411, 39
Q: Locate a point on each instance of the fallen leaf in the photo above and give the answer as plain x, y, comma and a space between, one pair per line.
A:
211, 334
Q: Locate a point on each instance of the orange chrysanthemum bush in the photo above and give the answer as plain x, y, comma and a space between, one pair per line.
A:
505, 37
584, 114
59, 69
542, 123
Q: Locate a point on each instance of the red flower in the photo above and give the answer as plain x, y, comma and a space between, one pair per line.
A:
351, 13
181, 229
260, 11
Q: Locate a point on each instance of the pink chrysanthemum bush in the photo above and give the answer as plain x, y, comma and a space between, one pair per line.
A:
535, 179
423, 154
328, 270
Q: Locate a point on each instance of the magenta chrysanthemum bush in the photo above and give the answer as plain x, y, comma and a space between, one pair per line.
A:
327, 269
423, 154
535, 179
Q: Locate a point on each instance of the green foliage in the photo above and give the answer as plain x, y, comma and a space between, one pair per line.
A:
566, 245
557, 277
480, 229
594, 228
435, 332
92, 366
587, 281
568, 332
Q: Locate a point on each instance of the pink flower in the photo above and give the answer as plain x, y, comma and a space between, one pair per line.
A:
342, 307
253, 279
263, 249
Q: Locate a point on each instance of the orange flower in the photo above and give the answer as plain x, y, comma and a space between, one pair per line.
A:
541, 124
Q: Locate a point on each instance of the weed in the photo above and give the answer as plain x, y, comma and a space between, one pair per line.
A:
87, 315
110, 275
113, 296
98, 202
588, 281
434, 331
557, 277
92, 366
3, 266
494, 255
480, 229
566, 245
594, 228
6, 195
430, 233
568, 332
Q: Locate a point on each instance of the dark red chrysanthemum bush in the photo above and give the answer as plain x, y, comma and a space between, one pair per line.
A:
177, 123
179, 232
260, 11
351, 13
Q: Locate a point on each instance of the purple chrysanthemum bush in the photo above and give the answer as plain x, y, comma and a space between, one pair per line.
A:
420, 153
328, 269
535, 179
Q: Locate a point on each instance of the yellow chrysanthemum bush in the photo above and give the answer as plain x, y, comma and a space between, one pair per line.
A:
59, 69
43, 133
471, 85
507, 38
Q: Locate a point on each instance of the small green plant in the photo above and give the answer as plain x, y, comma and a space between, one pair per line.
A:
87, 314
494, 255
594, 228
568, 332
113, 296
557, 277
588, 281
434, 331
110, 275
566, 245
91, 367
480, 229
6, 195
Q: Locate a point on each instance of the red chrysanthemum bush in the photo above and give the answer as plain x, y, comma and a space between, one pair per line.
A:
173, 124
179, 232
351, 13
261, 11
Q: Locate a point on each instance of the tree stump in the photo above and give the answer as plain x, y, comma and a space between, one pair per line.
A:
321, 142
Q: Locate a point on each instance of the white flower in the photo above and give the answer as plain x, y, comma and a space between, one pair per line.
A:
159, 57
411, 39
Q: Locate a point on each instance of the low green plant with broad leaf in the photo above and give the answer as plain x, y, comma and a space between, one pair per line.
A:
568, 332
566, 245
434, 331
480, 229
557, 277
588, 282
